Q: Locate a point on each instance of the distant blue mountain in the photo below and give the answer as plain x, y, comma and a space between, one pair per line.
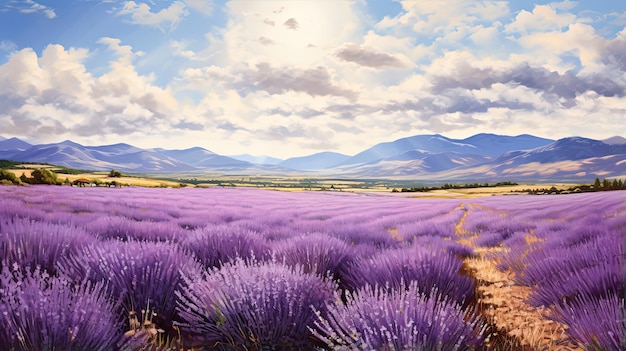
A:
480, 144
415, 163
431, 143
318, 161
450, 160
121, 157
573, 159
406, 156
260, 160
13, 144
566, 149
482, 157
191, 155
9, 147
112, 149
495, 145
202, 158
614, 140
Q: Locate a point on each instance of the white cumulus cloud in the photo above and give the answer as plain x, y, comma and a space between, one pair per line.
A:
28, 7
142, 14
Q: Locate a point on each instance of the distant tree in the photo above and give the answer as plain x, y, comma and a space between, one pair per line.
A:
23, 178
606, 184
115, 174
9, 177
615, 185
43, 176
597, 185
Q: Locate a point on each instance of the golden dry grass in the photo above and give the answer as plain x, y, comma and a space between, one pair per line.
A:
101, 177
503, 303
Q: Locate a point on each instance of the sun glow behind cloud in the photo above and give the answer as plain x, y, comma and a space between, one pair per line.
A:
288, 78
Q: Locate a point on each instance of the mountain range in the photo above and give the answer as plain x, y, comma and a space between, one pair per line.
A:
431, 157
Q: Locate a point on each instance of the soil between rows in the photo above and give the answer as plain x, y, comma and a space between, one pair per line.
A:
502, 302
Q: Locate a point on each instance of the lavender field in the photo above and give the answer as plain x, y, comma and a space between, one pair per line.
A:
247, 269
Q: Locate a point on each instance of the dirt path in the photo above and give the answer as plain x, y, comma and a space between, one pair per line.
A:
502, 301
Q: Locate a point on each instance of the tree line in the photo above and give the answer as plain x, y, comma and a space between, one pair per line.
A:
598, 185
44, 176
37, 176
607, 184
447, 186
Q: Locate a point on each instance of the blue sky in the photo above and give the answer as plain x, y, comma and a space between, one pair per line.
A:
289, 78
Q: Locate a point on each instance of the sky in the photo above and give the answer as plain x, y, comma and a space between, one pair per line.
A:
292, 78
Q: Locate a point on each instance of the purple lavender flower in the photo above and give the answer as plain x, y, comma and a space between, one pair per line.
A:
317, 253
496, 222
591, 268
443, 244
215, 245
120, 227
598, 324
41, 312
253, 306
404, 319
33, 244
357, 232
490, 239
13, 208
427, 268
139, 273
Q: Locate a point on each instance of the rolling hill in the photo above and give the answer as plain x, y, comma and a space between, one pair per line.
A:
118, 156
482, 157
479, 144
318, 161
201, 158
258, 159
10, 146
568, 159
614, 140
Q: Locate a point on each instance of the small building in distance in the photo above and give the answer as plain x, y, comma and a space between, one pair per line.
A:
81, 182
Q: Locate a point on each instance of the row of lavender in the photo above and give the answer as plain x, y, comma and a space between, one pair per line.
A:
571, 251
247, 269
228, 267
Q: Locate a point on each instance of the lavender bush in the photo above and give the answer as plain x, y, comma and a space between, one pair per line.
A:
41, 312
444, 245
253, 306
39, 244
576, 268
427, 269
318, 254
123, 228
215, 245
598, 324
138, 273
405, 319
591, 269
12, 208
